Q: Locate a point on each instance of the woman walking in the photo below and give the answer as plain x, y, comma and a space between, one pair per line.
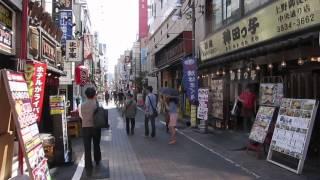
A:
130, 111
173, 113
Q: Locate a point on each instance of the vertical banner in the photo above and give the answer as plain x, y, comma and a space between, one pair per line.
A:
65, 23
87, 46
190, 80
35, 75
81, 75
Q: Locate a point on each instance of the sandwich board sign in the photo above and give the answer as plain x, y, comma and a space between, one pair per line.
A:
26, 124
291, 137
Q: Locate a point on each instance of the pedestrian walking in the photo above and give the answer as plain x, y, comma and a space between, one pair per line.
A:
172, 108
106, 96
248, 108
89, 132
150, 112
120, 98
130, 111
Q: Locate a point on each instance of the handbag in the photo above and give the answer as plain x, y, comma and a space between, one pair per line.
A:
99, 117
155, 112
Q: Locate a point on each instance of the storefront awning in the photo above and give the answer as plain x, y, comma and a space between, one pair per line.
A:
55, 70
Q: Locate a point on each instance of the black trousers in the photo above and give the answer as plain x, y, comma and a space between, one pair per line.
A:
153, 126
89, 134
128, 122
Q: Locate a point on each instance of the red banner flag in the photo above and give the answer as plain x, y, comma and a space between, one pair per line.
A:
35, 74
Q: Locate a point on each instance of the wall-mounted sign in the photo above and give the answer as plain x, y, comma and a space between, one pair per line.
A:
65, 23
73, 51
48, 50
6, 16
277, 19
35, 75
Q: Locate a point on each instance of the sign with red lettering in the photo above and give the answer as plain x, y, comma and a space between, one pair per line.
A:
35, 74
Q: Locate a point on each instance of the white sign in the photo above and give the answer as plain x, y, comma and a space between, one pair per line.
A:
203, 96
293, 130
73, 51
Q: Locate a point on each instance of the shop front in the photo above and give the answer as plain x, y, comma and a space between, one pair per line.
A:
277, 57
168, 60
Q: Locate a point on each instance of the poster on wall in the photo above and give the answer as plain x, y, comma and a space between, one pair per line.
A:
203, 97
25, 122
217, 98
35, 75
271, 94
262, 123
293, 129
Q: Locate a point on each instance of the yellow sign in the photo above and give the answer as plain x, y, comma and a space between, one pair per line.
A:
57, 105
277, 19
193, 115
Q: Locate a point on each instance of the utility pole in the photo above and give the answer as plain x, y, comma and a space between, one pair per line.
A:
193, 29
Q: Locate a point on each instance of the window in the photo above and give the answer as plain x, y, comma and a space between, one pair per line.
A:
231, 10
250, 5
217, 14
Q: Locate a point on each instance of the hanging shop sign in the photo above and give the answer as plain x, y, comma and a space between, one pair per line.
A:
271, 94
73, 51
81, 75
26, 124
144, 55
6, 29
292, 132
48, 50
261, 125
203, 97
33, 42
88, 46
190, 80
275, 20
35, 75
65, 23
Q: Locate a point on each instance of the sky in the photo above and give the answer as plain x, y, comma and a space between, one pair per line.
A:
116, 21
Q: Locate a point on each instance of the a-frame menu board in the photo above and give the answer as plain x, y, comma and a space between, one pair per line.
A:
291, 137
26, 125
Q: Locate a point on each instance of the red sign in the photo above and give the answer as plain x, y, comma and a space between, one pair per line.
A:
143, 18
35, 74
81, 75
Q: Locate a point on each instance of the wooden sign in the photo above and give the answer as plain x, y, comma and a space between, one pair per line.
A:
26, 125
292, 133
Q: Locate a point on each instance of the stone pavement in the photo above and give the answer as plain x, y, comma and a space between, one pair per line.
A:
195, 156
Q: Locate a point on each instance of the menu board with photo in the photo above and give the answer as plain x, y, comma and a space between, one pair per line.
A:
262, 123
217, 98
271, 94
294, 127
25, 121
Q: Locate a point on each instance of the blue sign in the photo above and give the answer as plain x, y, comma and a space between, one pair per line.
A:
190, 78
144, 55
65, 24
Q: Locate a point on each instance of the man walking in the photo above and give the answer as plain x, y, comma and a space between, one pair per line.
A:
89, 132
150, 109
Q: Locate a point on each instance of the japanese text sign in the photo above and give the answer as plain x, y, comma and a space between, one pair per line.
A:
277, 19
35, 74
190, 80
88, 46
65, 23
203, 97
72, 50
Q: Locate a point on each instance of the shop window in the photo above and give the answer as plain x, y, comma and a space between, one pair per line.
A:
250, 5
221, 12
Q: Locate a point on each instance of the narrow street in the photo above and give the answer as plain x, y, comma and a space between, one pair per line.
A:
139, 157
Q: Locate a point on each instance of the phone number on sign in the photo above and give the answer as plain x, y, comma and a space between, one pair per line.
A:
299, 22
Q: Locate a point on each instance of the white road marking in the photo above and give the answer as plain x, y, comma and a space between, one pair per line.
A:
218, 154
77, 175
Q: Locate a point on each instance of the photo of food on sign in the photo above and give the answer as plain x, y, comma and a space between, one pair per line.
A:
296, 104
